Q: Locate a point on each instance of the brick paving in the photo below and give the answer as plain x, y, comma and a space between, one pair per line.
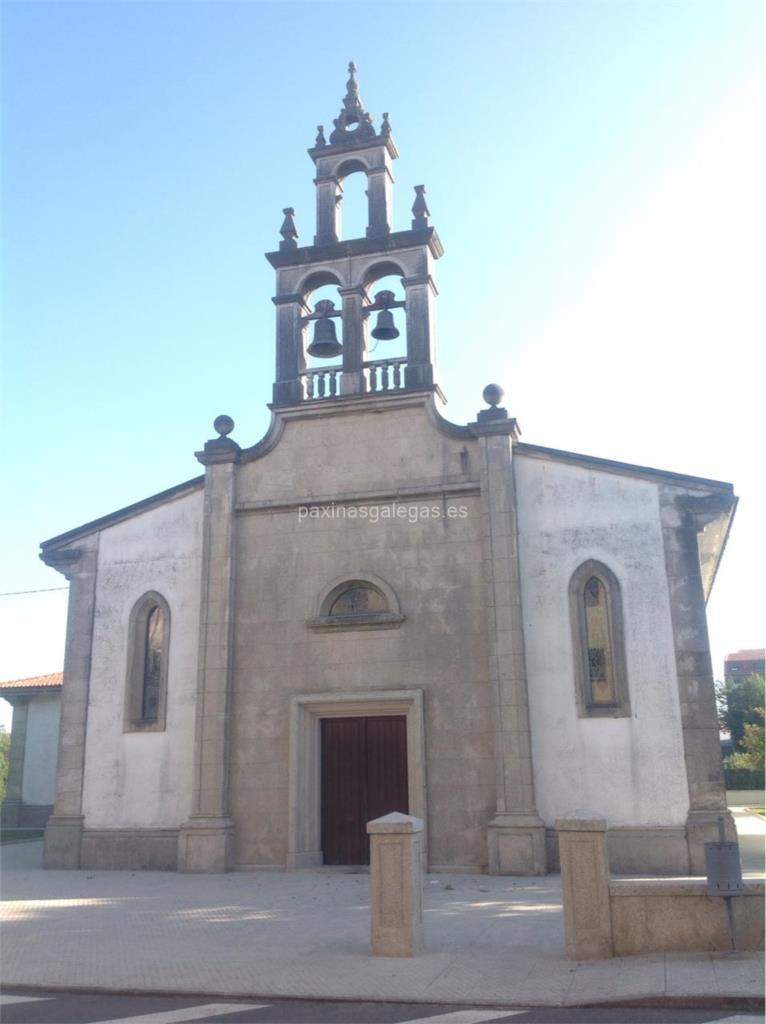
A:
489, 940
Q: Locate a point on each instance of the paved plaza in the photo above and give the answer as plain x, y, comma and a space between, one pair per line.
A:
489, 940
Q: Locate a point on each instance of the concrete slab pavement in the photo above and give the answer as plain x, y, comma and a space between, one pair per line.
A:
489, 940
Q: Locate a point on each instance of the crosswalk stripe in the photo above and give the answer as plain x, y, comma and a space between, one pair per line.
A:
9, 1000
466, 1017
181, 1016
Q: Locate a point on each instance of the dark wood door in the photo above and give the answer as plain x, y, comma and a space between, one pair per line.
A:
364, 776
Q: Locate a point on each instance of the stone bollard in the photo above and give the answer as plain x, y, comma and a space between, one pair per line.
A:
585, 888
396, 885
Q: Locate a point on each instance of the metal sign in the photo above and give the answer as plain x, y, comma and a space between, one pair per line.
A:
724, 871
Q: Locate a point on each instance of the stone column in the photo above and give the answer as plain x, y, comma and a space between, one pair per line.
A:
585, 889
327, 210
420, 296
204, 840
683, 518
11, 809
291, 358
63, 832
396, 885
352, 380
379, 202
516, 835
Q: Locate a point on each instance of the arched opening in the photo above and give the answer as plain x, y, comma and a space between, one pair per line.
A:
384, 283
599, 646
316, 291
353, 210
148, 646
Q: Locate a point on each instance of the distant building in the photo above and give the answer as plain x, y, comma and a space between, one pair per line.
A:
742, 664
34, 749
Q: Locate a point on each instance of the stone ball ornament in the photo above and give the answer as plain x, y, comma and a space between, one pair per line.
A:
223, 425
493, 394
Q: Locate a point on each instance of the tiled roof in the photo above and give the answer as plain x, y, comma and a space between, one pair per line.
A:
33, 683
756, 655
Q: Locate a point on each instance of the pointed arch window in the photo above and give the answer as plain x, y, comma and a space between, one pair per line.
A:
599, 649
148, 647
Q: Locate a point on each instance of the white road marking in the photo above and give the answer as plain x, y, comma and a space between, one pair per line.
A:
465, 1017
181, 1016
9, 1000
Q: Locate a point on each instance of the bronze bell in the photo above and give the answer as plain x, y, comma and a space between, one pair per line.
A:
325, 344
385, 330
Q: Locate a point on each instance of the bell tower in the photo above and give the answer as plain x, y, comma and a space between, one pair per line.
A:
353, 266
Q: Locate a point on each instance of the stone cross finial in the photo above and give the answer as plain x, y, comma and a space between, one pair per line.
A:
420, 209
288, 231
353, 119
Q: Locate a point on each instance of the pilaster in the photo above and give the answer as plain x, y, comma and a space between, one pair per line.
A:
683, 518
63, 833
516, 835
420, 297
11, 807
204, 840
328, 196
380, 202
352, 379
291, 358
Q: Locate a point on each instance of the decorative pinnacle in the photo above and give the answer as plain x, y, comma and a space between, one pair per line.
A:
288, 231
320, 139
385, 127
223, 425
420, 209
493, 396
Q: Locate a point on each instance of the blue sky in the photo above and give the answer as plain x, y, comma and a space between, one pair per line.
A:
594, 170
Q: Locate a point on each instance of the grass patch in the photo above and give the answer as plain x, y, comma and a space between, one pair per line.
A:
19, 835
757, 810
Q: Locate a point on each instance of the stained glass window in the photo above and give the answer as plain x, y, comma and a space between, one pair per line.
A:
154, 644
359, 600
600, 659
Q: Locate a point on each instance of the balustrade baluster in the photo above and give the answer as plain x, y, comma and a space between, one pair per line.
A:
397, 374
333, 374
308, 382
384, 375
373, 378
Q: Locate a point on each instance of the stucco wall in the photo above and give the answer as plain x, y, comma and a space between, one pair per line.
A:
144, 779
40, 751
434, 566
627, 770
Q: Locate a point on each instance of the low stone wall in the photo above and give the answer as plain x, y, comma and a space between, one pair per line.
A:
663, 915
606, 917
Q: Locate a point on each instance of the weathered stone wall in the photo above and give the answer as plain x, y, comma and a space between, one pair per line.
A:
629, 770
434, 566
38, 786
134, 779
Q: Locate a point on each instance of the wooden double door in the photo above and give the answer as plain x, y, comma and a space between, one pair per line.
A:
364, 776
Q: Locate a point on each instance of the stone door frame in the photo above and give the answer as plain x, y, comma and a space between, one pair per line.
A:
304, 846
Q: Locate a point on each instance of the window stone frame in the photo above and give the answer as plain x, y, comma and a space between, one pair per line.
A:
586, 708
390, 619
134, 686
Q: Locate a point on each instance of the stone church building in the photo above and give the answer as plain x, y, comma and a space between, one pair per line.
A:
374, 609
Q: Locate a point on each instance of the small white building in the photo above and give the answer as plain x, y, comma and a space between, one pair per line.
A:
373, 609
31, 783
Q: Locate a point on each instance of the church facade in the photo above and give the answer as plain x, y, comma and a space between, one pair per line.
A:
444, 620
